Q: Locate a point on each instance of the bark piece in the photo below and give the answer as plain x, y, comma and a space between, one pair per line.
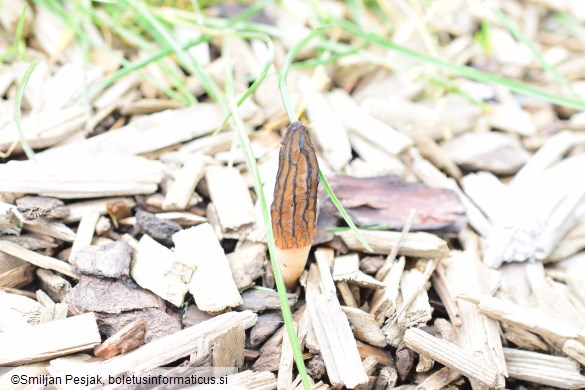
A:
262, 300
332, 330
161, 271
33, 207
128, 338
386, 379
109, 260
267, 324
316, 367
212, 284
371, 264
387, 201
109, 296
418, 244
452, 356
159, 229
247, 263
404, 362
194, 316
37, 259
49, 340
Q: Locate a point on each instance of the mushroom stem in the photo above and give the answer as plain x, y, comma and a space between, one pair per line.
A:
292, 263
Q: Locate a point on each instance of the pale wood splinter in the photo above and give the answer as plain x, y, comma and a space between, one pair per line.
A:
294, 209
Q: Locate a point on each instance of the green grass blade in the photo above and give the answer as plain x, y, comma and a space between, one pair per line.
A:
133, 67
464, 71
19, 46
535, 52
252, 166
290, 56
17, 111
258, 81
163, 36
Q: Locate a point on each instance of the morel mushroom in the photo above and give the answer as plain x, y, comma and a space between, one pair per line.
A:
294, 208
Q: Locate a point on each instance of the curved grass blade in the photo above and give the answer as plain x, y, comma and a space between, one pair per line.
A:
252, 166
259, 79
464, 71
17, 111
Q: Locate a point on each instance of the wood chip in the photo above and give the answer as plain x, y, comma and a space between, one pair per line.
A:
548, 370
14, 272
451, 356
18, 311
212, 284
128, 338
364, 326
172, 347
161, 271
37, 259
346, 268
231, 197
526, 318
84, 233
53, 284
341, 357
186, 180
89, 177
419, 244
49, 340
